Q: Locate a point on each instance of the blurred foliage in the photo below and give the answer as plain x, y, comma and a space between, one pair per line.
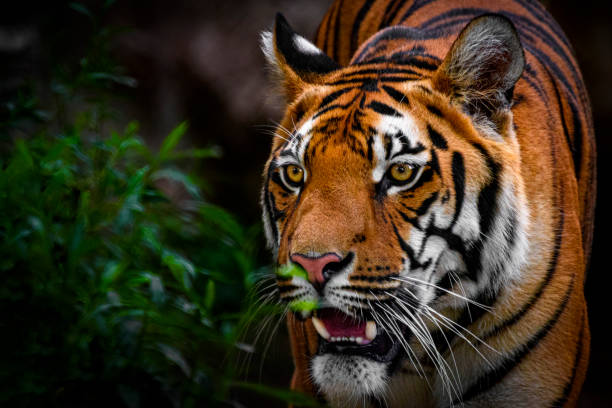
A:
114, 292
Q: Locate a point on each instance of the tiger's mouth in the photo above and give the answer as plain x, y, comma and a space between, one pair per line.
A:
344, 334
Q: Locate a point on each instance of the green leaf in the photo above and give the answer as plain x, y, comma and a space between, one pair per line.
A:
209, 298
156, 286
175, 356
172, 140
175, 175
303, 305
181, 268
291, 270
118, 79
210, 152
111, 272
24, 153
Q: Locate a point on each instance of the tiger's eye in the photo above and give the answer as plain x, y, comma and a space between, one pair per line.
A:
401, 172
295, 174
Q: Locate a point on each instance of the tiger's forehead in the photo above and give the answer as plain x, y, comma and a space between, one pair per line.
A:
376, 124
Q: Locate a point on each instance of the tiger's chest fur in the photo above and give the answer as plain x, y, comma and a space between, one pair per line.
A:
435, 178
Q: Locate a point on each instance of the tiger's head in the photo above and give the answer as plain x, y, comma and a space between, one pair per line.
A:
392, 195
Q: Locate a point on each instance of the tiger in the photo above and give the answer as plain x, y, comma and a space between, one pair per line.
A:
429, 202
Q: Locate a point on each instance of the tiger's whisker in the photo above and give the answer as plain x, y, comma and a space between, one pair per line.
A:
422, 282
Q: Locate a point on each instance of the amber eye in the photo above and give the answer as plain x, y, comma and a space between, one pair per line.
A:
401, 172
294, 174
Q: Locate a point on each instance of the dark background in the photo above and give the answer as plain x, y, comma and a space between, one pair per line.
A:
200, 61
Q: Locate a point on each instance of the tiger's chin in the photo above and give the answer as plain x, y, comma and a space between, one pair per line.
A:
349, 380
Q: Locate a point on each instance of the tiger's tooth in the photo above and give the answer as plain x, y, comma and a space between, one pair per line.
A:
359, 340
320, 328
370, 330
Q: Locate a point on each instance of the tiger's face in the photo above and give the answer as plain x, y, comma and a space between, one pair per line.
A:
377, 196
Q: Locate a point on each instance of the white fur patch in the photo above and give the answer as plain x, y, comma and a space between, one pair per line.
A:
305, 46
267, 46
349, 381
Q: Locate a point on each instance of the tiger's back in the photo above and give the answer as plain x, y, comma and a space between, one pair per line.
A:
535, 335
551, 85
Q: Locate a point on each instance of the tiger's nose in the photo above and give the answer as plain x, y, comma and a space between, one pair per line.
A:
319, 268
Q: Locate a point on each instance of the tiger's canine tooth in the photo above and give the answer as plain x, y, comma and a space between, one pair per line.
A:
370, 330
320, 328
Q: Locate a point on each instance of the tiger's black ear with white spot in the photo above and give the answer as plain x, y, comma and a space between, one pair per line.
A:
482, 67
296, 61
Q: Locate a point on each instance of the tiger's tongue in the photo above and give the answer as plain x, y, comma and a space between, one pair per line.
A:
339, 324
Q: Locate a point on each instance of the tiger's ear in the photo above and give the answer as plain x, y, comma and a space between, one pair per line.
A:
296, 61
482, 67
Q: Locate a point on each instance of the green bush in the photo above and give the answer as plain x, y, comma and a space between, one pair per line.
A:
108, 281
114, 292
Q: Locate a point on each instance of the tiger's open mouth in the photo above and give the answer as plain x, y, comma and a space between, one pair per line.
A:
344, 334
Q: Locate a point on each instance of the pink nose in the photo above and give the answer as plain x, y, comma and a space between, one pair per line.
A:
315, 266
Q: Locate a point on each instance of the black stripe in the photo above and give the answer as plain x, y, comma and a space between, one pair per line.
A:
390, 12
562, 400
493, 377
408, 149
380, 70
337, 31
414, 263
377, 291
329, 39
378, 279
414, 7
487, 198
411, 220
426, 204
268, 200
391, 33
276, 178
360, 81
434, 110
459, 181
408, 58
454, 241
577, 142
288, 153
290, 298
436, 138
552, 266
531, 77
363, 11
542, 15
425, 89
336, 106
434, 163
333, 96
383, 109
370, 153
283, 289
397, 95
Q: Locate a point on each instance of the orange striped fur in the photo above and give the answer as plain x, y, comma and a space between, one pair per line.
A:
500, 210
